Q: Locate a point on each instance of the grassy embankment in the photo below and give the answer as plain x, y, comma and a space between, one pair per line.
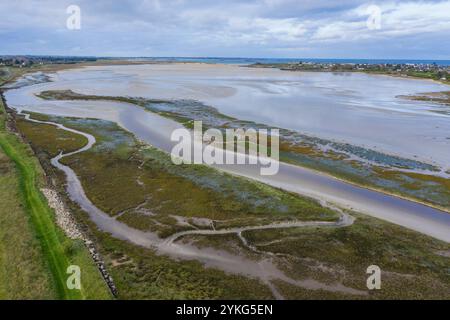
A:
383, 174
35, 252
119, 175
23, 271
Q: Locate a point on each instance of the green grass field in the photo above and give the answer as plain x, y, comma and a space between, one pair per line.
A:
34, 251
23, 272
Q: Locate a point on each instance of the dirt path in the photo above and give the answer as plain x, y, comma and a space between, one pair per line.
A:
344, 221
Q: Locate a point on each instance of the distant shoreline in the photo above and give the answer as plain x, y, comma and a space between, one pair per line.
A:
237, 60
247, 61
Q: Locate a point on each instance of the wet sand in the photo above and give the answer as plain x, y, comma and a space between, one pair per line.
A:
156, 130
356, 108
359, 109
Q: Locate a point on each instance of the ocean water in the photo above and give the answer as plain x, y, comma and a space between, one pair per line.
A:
247, 61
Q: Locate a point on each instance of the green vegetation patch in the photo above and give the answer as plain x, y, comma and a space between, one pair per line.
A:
142, 274
23, 271
141, 184
413, 265
151, 190
55, 250
61, 140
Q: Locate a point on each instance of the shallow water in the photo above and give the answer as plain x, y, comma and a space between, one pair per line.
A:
156, 130
356, 108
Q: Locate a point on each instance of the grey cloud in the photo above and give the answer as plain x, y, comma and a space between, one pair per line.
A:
289, 28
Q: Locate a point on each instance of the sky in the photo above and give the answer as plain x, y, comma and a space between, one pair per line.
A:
232, 28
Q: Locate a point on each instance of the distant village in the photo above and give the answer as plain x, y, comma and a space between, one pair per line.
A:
421, 70
28, 61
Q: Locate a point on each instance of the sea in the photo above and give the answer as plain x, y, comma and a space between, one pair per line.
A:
247, 61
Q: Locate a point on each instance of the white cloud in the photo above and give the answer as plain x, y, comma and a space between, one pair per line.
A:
234, 27
264, 28
397, 19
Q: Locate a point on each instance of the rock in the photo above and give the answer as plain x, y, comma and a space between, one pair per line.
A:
67, 223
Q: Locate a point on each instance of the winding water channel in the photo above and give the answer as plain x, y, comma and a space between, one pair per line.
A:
263, 269
156, 130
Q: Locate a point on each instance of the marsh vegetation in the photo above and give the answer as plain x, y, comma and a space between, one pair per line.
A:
138, 185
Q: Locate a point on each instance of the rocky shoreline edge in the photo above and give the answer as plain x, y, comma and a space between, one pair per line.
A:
69, 225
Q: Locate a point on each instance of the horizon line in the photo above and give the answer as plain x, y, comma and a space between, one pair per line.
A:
213, 57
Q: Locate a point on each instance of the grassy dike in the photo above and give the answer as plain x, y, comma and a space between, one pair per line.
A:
37, 234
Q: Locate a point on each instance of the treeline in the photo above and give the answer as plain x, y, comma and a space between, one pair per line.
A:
26, 61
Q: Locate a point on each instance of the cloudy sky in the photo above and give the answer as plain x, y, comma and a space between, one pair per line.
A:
232, 28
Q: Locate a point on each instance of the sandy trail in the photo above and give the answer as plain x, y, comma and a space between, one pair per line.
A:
344, 221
